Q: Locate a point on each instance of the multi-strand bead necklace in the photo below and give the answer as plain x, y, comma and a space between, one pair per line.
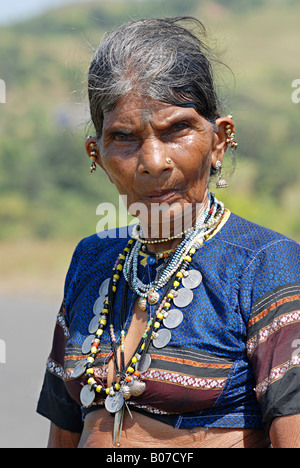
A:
150, 291
128, 381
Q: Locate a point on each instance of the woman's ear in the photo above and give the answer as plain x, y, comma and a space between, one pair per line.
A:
221, 138
93, 152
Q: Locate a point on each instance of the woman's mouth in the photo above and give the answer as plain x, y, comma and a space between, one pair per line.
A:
160, 196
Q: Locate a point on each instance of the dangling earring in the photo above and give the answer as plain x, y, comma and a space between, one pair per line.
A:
221, 183
230, 136
93, 157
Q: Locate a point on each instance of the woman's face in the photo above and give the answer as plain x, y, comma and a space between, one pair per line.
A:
157, 153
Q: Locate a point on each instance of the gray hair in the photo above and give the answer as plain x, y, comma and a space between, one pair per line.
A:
157, 57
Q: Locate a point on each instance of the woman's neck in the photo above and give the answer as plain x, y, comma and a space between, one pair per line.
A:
186, 221
164, 246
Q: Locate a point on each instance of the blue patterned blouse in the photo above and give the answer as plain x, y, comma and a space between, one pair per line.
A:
233, 362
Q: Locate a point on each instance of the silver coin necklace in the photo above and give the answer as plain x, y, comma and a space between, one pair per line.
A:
128, 382
128, 375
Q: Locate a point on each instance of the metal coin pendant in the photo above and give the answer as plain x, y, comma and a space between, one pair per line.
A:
174, 318
94, 324
192, 280
87, 344
98, 306
145, 364
103, 290
183, 298
79, 369
87, 396
114, 403
162, 339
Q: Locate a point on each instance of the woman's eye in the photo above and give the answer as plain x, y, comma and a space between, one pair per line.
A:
179, 127
119, 136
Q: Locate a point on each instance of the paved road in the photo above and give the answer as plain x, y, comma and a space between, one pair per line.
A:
26, 327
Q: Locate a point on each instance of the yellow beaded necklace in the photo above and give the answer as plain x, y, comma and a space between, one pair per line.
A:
128, 383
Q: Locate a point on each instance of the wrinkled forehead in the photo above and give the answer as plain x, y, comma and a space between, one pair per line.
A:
136, 107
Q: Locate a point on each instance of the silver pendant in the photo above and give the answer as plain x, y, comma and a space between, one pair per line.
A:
173, 319
87, 344
114, 403
192, 280
103, 290
183, 298
137, 388
162, 339
144, 366
87, 396
79, 369
98, 306
94, 324
125, 390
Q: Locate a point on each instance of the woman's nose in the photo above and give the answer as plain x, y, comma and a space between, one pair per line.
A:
153, 158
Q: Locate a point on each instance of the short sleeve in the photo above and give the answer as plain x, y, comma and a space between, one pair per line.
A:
54, 402
274, 329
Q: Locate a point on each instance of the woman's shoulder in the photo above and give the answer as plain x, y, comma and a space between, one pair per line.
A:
99, 250
267, 259
240, 232
94, 257
105, 241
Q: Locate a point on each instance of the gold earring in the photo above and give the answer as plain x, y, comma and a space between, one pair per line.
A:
231, 136
93, 157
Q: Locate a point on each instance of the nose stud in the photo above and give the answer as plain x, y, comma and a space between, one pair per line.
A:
168, 160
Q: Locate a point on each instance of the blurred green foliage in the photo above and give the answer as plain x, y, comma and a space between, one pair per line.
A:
46, 190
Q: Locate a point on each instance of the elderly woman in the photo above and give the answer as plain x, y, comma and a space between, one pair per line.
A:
190, 322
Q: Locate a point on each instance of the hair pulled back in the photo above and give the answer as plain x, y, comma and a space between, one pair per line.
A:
160, 58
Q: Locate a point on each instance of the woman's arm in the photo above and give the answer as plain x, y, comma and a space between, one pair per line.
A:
285, 432
59, 438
